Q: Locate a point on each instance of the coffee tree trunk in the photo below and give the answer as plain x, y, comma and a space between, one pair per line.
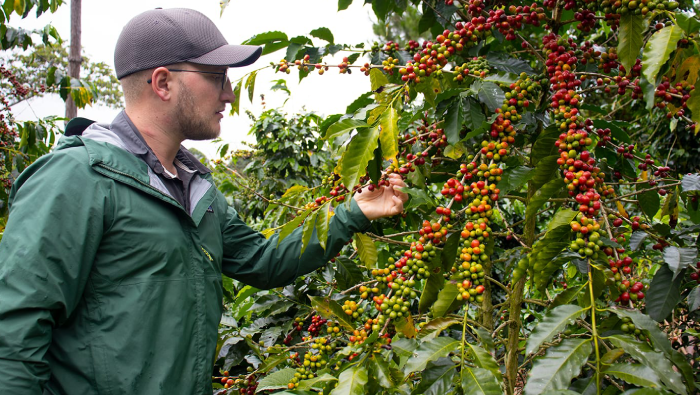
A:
515, 308
74, 58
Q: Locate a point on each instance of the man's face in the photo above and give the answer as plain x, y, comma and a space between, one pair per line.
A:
201, 102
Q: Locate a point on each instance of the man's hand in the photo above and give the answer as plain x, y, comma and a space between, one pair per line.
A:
384, 201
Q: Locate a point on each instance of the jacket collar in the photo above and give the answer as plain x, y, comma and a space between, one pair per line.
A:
124, 163
134, 142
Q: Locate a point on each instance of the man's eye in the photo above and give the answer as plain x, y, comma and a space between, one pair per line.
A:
218, 78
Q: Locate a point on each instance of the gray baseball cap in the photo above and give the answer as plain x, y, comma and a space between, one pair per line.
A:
162, 37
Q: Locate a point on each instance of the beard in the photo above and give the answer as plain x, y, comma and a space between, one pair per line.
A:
193, 123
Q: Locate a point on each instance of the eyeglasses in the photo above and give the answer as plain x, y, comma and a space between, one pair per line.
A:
222, 75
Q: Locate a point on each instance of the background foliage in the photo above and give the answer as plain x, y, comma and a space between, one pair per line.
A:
575, 271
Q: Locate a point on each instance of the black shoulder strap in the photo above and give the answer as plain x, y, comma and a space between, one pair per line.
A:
77, 126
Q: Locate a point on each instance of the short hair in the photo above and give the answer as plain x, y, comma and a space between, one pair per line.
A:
134, 84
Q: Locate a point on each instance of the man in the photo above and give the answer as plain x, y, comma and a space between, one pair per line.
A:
111, 261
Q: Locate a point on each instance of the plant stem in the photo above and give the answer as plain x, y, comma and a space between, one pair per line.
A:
593, 327
516, 299
464, 341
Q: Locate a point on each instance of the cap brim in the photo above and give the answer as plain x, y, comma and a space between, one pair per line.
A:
230, 55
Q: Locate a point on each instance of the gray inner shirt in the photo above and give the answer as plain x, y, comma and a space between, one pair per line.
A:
185, 163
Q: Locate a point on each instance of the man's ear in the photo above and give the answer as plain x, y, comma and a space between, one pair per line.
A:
162, 83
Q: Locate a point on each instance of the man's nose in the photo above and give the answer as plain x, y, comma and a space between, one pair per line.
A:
227, 94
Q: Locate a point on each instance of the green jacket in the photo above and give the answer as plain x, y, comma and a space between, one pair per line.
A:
108, 286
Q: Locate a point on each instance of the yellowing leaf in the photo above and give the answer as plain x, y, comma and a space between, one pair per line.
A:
691, 66
324, 217
295, 190
353, 164
405, 326
377, 79
19, 7
268, 232
366, 249
389, 133
621, 209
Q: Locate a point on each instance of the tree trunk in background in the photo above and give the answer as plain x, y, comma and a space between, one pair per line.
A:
74, 58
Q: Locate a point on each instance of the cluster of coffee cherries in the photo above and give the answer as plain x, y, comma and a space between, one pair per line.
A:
645, 164
622, 264
366, 68
337, 192
673, 98
662, 172
608, 61
432, 134
627, 152
392, 307
477, 67
388, 65
434, 231
314, 360
621, 83
627, 326
452, 188
636, 7
343, 67
475, 183
246, 385
475, 7
434, 55
318, 202
391, 46
584, 180
317, 322
19, 90
284, 66
403, 166
431, 138
417, 159
365, 291
636, 69
351, 309
605, 136
468, 269
521, 94
507, 24
8, 134
358, 336
629, 292
561, 62
445, 212
568, 4
412, 46
411, 262
586, 20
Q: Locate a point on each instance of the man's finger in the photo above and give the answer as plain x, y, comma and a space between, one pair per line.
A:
403, 196
398, 204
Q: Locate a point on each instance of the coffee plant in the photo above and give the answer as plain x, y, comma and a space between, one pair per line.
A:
33, 63
550, 243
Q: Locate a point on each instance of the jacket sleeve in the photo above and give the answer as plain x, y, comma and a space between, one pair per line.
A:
54, 227
252, 259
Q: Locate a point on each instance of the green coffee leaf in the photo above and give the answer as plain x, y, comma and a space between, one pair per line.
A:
555, 321
560, 364
658, 50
